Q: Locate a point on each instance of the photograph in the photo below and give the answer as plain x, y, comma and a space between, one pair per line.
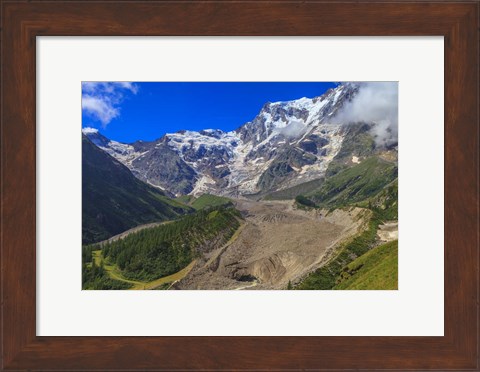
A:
239, 185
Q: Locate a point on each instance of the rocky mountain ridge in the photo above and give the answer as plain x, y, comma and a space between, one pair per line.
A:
286, 144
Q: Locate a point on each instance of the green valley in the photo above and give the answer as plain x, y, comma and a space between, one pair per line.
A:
303, 195
204, 201
209, 201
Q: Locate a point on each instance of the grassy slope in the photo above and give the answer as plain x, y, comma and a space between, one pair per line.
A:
376, 269
385, 203
113, 200
95, 274
292, 192
209, 201
116, 275
186, 199
384, 207
357, 183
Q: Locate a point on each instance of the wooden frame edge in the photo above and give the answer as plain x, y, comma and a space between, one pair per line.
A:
27, 348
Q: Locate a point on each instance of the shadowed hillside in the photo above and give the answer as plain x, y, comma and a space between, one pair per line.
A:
114, 200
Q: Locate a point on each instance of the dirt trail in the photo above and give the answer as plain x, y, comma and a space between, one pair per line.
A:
114, 273
277, 244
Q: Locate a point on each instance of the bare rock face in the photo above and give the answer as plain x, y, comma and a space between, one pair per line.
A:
174, 174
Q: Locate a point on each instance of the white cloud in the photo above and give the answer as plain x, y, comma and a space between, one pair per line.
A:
101, 100
100, 108
130, 86
89, 130
375, 102
293, 129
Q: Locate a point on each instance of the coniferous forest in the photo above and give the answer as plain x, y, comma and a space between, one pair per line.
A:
159, 251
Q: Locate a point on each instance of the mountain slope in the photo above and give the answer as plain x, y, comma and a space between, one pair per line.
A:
114, 200
355, 184
376, 269
163, 250
382, 207
288, 143
209, 201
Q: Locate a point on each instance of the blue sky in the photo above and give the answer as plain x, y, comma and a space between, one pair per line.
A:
127, 112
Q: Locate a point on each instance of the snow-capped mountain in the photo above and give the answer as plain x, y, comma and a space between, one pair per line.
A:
286, 144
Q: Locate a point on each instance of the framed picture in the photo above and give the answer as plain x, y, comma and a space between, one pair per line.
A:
239, 185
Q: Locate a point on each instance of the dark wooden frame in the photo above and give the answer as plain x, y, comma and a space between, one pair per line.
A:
22, 21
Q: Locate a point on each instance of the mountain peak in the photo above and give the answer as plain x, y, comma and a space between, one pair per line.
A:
288, 142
